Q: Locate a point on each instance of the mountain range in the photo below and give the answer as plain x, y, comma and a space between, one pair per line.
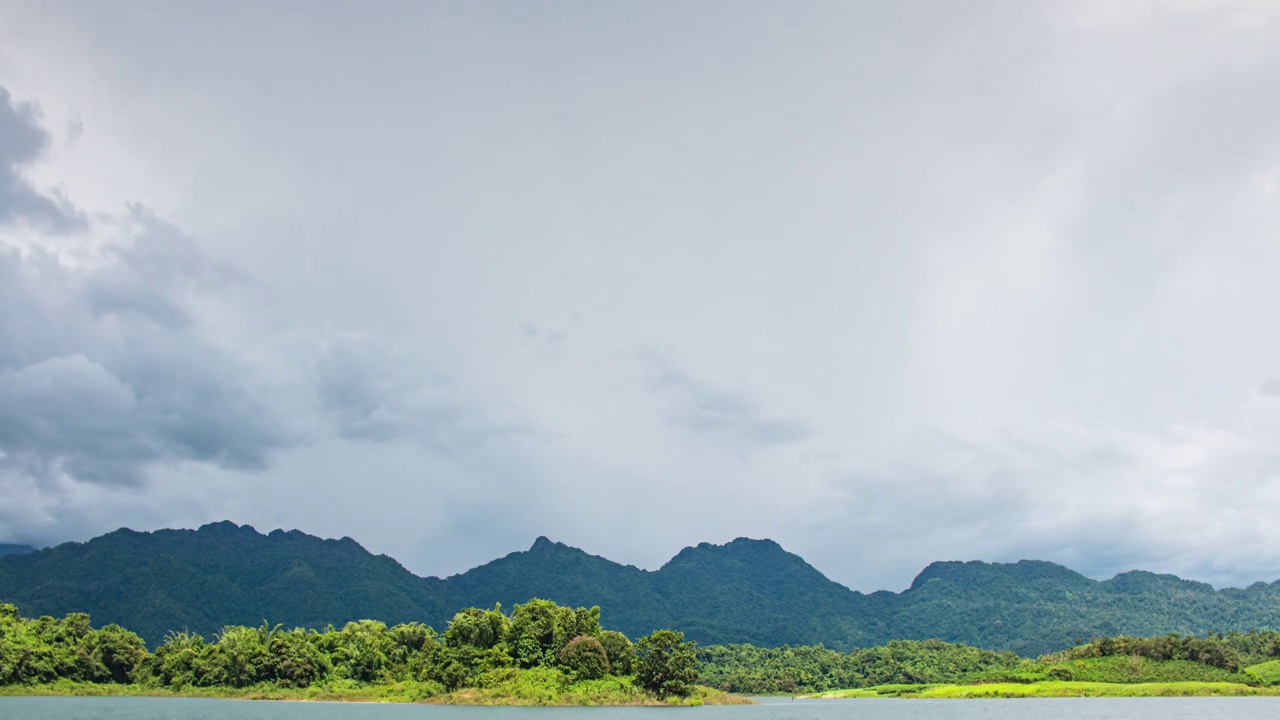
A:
745, 591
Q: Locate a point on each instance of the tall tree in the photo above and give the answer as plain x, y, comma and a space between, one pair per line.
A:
666, 663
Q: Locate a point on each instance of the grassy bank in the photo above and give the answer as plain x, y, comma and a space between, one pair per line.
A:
1056, 688
519, 688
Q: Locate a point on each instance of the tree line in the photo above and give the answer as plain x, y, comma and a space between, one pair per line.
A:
477, 643
810, 669
481, 645
1229, 651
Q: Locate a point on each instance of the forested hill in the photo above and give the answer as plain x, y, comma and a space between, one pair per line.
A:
8, 549
746, 591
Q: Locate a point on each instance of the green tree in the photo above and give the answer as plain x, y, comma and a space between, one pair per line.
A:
414, 647
666, 664
478, 628
295, 660
118, 652
533, 633
181, 660
585, 658
239, 659
620, 651
361, 650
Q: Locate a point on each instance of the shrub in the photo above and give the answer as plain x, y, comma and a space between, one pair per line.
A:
1060, 673
585, 658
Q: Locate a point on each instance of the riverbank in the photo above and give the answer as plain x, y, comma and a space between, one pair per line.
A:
610, 691
1056, 689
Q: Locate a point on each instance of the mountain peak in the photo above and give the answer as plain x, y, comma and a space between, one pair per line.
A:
226, 527
976, 574
1143, 580
762, 544
737, 546
545, 544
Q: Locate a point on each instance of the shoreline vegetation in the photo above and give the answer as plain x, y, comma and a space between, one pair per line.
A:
545, 654
1232, 664
615, 692
1054, 689
541, 654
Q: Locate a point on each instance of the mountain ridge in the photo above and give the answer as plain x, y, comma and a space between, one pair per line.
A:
16, 549
743, 591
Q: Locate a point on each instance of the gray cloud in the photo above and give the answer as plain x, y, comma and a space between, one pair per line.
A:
98, 393
548, 341
986, 282
1099, 501
112, 369
369, 394
22, 141
724, 415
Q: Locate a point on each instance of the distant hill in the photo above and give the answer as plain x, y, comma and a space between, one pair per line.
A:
745, 591
8, 549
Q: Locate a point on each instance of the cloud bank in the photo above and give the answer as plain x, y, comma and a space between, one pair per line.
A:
990, 283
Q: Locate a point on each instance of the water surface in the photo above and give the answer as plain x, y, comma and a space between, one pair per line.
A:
44, 708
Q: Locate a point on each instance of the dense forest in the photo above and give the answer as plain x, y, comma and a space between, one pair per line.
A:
537, 642
744, 592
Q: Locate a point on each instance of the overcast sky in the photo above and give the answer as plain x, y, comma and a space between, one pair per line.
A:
887, 282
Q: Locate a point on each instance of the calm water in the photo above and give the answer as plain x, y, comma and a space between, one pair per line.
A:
883, 709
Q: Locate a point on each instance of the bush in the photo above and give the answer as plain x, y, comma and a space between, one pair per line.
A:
1060, 673
1266, 674
585, 658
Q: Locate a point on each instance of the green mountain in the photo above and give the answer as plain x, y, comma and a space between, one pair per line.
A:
9, 549
746, 591
1032, 607
221, 574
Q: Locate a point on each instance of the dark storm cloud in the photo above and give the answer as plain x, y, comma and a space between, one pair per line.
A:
727, 416
22, 141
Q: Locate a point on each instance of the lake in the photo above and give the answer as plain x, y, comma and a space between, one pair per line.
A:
771, 709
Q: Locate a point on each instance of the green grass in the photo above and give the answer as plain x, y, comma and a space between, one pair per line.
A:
527, 687
1266, 674
1056, 688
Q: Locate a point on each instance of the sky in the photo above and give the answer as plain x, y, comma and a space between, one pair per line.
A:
886, 282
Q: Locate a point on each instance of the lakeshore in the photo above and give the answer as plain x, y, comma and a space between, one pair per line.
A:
1053, 689
616, 692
